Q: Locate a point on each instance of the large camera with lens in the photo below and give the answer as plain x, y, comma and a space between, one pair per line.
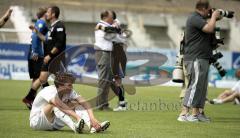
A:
223, 13
216, 41
214, 61
178, 75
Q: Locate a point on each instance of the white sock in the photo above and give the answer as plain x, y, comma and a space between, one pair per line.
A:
84, 115
219, 101
237, 101
58, 124
64, 118
215, 100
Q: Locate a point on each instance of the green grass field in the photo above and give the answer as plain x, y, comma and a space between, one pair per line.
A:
152, 113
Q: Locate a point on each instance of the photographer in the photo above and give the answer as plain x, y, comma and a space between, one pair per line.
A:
197, 52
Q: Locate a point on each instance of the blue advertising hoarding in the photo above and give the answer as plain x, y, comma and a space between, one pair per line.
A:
13, 59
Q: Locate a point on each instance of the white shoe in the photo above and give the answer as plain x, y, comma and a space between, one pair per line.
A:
192, 118
216, 101
183, 118
104, 125
119, 109
93, 130
79, 126
203, 118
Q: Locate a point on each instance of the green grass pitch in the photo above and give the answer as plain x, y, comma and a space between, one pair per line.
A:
152, 113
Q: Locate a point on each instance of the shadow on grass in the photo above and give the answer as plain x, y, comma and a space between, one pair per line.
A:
85, 132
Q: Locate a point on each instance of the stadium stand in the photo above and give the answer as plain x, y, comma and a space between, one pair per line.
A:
153, 19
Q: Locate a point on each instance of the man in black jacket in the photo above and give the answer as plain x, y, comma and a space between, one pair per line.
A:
55, 45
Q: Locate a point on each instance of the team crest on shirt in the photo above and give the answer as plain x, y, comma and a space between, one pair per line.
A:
40, 25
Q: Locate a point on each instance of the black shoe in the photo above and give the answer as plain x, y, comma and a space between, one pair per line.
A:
211, 102
28, 103
80, 126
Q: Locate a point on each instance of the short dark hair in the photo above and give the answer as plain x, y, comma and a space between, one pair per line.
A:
104, 14
202, 4
55, 10
41, 12
63, 77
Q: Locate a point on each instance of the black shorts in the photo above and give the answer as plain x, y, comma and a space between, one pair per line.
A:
34, 68
54, 65
119, 60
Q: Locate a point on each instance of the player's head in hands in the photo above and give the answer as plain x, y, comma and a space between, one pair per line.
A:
64, 81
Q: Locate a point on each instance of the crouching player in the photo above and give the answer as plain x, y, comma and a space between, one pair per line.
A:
228, 95
54, 106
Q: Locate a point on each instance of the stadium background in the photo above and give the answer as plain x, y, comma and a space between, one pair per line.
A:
157, 26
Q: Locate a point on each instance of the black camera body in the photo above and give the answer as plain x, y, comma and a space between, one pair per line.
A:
216, 39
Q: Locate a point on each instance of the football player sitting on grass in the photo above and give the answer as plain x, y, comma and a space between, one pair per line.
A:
54, 106
228, 95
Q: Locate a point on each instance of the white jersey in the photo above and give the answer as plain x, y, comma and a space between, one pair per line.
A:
236, 87
44, 97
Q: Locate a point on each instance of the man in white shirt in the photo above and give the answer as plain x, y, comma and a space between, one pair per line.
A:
55, 104
103, 56
228, 95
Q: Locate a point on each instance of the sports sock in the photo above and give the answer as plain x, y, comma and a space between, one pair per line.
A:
121, 93
65, 118
84, 115
31, 95
219, 101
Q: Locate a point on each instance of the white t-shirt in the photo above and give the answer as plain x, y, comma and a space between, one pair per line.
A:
100, 41
44, 97
236, 87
